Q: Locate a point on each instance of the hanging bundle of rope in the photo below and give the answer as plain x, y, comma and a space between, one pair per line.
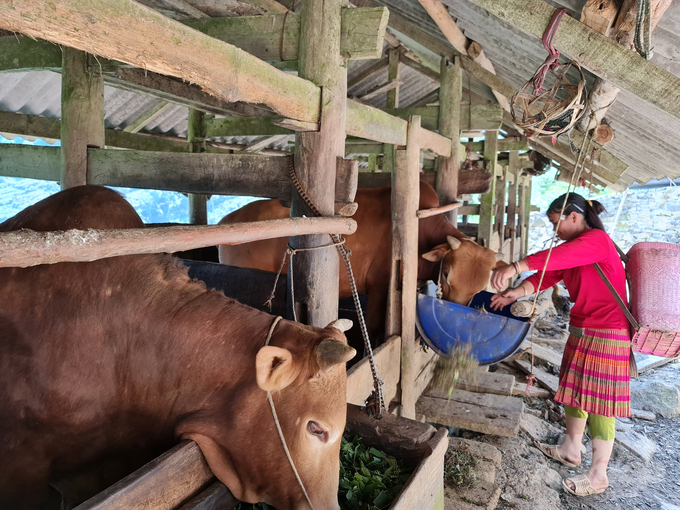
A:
549, 104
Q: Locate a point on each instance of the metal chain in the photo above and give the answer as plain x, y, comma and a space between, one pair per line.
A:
344, 253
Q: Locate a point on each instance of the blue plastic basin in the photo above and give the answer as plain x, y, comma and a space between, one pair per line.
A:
492, 336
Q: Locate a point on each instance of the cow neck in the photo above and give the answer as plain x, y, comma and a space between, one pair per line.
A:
278, 425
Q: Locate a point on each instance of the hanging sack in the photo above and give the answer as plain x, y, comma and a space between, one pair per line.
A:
652, 271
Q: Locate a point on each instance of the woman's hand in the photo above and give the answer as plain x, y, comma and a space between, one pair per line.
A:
501, 275
503, 299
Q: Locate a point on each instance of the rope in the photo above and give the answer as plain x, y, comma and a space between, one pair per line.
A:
278, 424
345, 254
578, 168
643, 24
552, 62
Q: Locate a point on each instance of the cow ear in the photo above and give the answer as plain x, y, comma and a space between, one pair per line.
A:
274, 368
341, 325
437, 253
499, 257
453, 242
331, 352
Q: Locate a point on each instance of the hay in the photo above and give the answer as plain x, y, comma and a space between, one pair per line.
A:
448, 370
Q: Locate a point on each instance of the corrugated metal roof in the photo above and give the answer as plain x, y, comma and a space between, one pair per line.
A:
646, 138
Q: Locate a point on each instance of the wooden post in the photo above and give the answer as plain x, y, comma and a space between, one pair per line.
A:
450, 96
513, 174
487, 199
405, 199
316, 271
499, 205
82, 116
524, 198
393, 74
198, 204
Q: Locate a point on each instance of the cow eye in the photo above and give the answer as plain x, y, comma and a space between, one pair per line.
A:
315, 429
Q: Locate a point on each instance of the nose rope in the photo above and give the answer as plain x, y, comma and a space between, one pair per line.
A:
278, 425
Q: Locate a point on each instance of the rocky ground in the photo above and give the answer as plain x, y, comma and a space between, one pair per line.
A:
526, 480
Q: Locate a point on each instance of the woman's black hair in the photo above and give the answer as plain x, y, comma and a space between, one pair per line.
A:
590, 209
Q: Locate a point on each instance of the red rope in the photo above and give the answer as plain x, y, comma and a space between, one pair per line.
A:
553, 55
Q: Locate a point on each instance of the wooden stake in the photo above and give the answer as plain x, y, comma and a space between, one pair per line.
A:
405, 199
450, 96
82, 116
316, 271
26, 248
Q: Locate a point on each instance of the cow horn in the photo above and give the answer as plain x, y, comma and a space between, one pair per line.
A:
453, 242
331, 352
341, 325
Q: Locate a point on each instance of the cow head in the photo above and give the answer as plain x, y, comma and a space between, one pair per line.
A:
465, 268
304, 371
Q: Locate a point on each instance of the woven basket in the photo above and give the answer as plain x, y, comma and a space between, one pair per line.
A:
654, 277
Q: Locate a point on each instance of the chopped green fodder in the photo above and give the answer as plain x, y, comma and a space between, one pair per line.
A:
369, 478
459, 469
448, 370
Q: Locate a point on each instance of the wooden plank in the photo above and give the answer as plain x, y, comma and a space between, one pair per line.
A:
425, 488
637, 444
475, 117
363, 32
31, 162
21, 53
380, 89
520, 390
148, 116
168, 480
263, 142
486, 211
436, 143
481, 412
368, 72
597, 53
360, 379
215, 496
244, 126
219, 68
545, 379
82, 116
405, 198
542, 353
479, 382
450, 97
26, 248
373, 124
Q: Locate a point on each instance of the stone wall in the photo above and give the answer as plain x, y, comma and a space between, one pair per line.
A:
647, 215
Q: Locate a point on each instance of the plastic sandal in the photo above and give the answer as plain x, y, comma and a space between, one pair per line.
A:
551, 451
582, 486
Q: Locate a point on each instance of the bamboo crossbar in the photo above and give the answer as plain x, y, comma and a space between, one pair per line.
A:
25, 248
426, 213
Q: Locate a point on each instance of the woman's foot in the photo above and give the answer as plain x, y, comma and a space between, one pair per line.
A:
573, 457
560, 454
585, 485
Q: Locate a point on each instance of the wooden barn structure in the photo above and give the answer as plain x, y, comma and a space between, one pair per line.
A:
211, 98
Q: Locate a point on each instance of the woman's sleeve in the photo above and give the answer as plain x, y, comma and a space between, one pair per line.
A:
551, 278
591, 246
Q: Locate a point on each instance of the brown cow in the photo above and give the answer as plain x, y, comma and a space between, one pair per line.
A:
466, 267
112, 362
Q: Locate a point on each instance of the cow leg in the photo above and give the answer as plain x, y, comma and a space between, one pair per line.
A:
375, 314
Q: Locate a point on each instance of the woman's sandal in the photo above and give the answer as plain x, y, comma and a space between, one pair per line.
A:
552, 452
582, 486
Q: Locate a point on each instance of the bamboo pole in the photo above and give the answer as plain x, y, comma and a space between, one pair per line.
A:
25, 248
426, 213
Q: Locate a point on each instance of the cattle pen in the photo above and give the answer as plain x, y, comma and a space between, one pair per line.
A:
356, 95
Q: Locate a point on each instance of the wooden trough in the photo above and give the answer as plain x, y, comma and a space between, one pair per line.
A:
181, 479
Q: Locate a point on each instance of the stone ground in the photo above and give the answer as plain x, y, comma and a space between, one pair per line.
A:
530, 481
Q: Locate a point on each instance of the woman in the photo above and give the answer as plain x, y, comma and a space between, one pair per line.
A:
595, 375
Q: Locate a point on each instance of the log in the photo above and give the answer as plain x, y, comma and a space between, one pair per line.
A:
82, 116
450, 96
316, 155
426, 213
405, 198
121, 29
26, 248
166, 481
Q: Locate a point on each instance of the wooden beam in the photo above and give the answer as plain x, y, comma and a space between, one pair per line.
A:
316, 155
513, 171
600, 55
82, 116
393, 75
414, 64
21, 53
436, 143
450, 96
373, 124
405, 198
31, 162
476, 52
244, 126
440, 14
27, 248
486, 212
219, 68
263, 142
148, 116
363, 32
472, 118
198, 203
388, 87
368, 72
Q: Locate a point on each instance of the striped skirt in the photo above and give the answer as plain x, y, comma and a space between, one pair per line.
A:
595, 372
